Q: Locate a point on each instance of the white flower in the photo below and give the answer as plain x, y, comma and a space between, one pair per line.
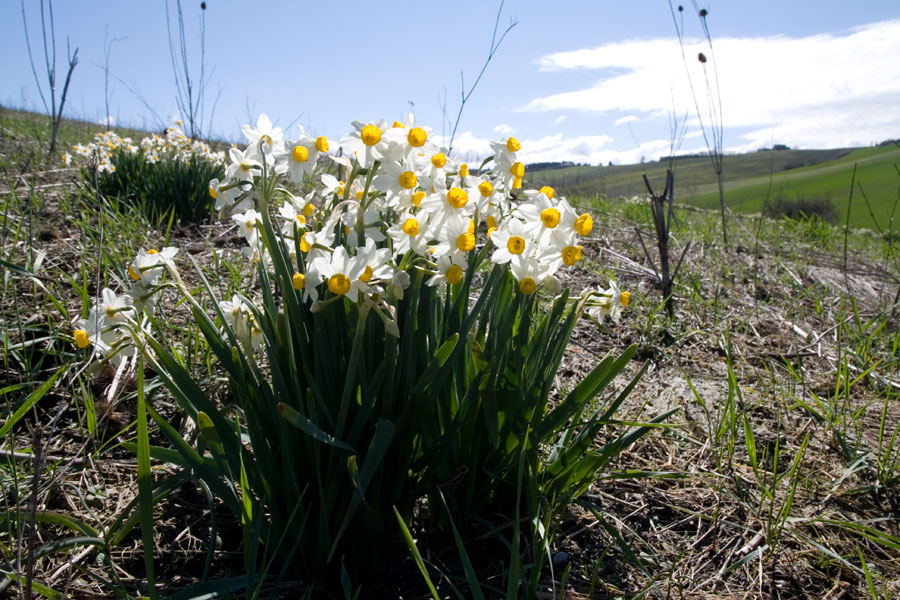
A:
294, 218
371, 225
366, 143
149, 265
376, 263
301, 156
448, 271
610, 302
342, 273
244, 165
397, 179
263, 136
240, 318
113, 308
445, 203
225, 194
507, 166
248, 225
528, 272
405, 141
113, 343
410, 233
511, 240
456, 238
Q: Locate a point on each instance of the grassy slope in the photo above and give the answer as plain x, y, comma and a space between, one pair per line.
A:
876, 175
32, 130
29, 134
824, 174
769, 340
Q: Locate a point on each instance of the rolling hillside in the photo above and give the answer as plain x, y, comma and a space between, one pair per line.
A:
752, 178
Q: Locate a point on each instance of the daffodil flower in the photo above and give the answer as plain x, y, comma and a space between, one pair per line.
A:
404, 141
366, 143
342, 273
456, 238
410, 232
610, 302
263, 137
149, 265
301, 155
244, 165
528, 271
449, 270
511, 240
240, 318
113, 308
376, 260
248, 225
397, 179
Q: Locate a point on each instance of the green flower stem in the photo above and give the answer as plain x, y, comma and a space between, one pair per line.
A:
351, 368
361, 211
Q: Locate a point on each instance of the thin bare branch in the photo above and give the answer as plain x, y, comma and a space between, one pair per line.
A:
495, 45
37, 81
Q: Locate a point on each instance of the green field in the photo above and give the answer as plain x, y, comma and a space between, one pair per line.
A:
753, 179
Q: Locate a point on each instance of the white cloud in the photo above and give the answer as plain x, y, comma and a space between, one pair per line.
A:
559, 119
592, 149
626, 119
466, 146
504, 129
827, 90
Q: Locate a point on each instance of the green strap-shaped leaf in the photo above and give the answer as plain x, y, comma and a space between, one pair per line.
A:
145, 483
209, 434
411, 544
31, 401
310, 428
431, 371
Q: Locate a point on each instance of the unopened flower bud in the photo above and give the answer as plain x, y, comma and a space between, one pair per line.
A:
400, 280
552, 284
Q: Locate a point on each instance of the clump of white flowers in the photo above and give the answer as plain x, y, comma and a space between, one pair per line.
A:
172, 145
394, 207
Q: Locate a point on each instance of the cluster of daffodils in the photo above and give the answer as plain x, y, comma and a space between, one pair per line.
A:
172, 145
397, 205
394, 207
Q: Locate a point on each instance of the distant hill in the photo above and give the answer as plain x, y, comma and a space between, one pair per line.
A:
546, 166
785, 174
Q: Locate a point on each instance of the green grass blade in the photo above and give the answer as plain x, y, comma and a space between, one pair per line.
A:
869, 582
471, 577
411, 543
145, 482
309, 428
32, 399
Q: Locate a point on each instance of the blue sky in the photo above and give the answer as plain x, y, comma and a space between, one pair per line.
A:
589, 81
